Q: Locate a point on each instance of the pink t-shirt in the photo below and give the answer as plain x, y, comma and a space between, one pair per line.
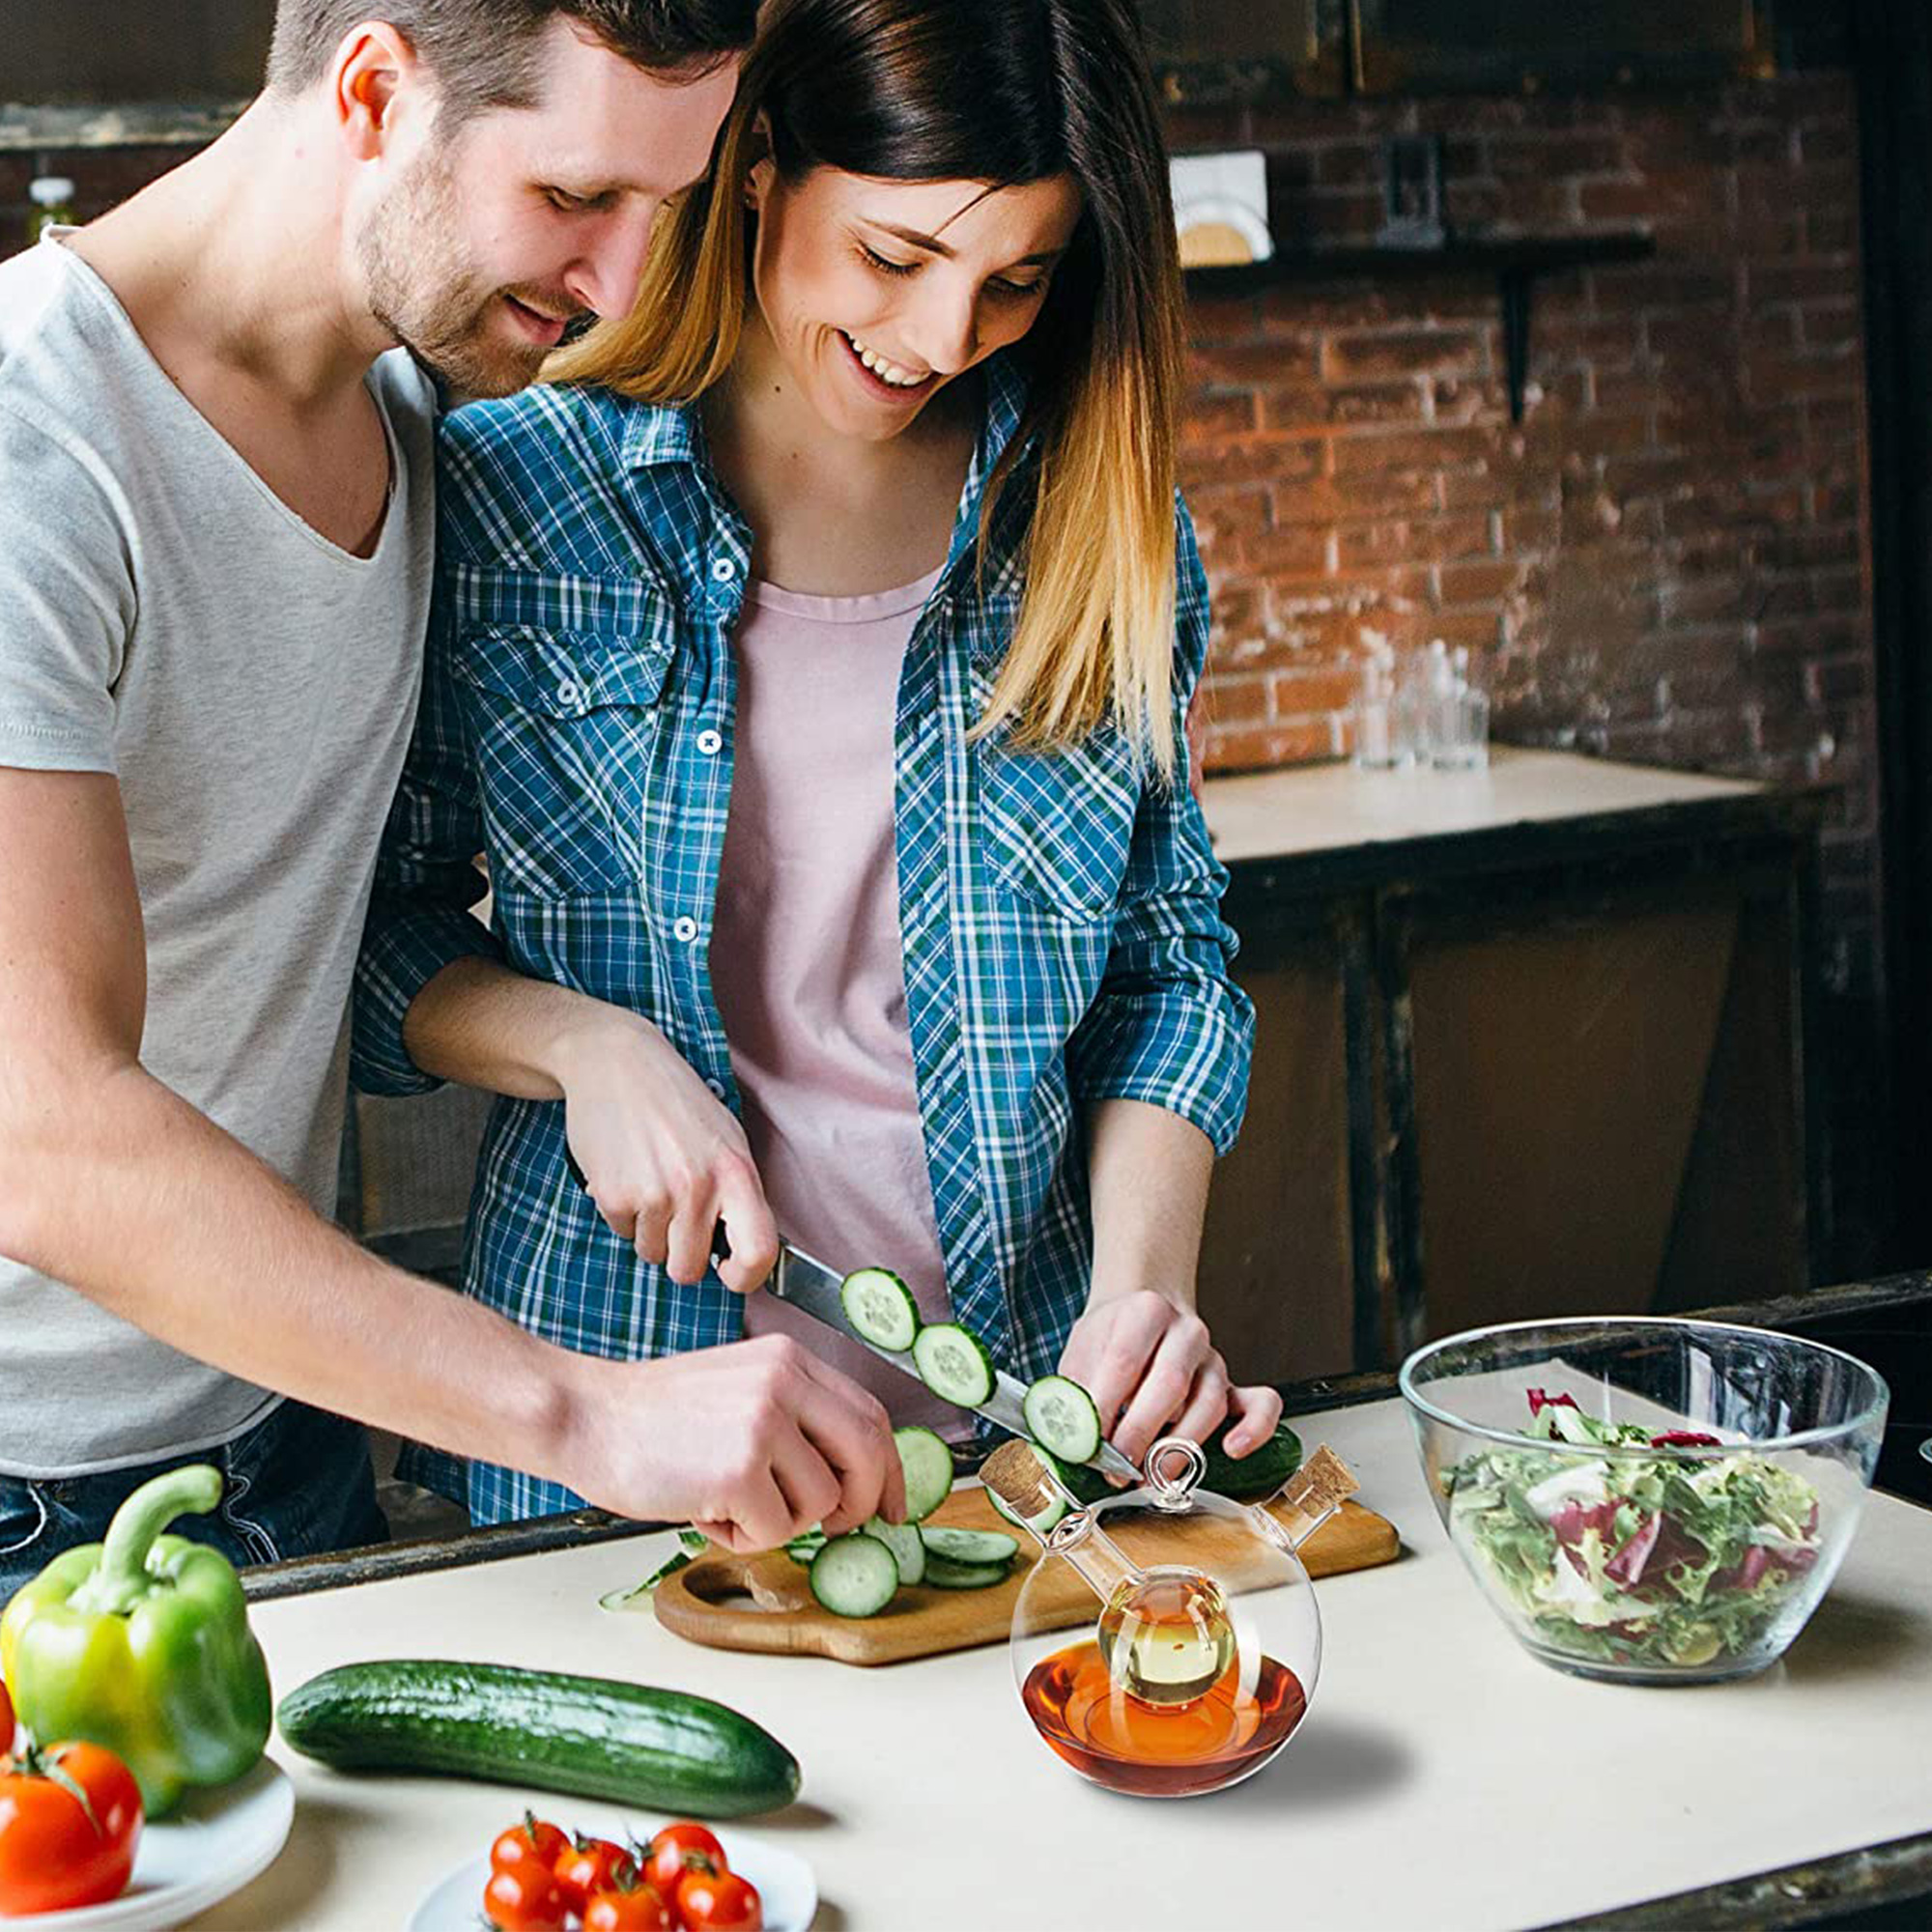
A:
807, 962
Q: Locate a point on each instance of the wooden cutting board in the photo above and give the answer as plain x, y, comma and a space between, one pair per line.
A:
765, 1603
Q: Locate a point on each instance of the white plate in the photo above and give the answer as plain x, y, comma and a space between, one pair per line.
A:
787, 1888
208, 1851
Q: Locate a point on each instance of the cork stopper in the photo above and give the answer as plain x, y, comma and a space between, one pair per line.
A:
1321, 1485
1019, 1479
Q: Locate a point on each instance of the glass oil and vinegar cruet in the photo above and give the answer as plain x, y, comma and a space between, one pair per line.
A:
1167, 1641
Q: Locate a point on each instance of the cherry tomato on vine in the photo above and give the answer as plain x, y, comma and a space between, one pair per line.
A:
714, 1901
69, 1820
535, 1841
526, 1898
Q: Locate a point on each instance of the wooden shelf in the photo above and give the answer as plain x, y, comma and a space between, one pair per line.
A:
1514, 261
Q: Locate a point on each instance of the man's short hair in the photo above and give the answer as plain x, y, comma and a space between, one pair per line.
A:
484, 52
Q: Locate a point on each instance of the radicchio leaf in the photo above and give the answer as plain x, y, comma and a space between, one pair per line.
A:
1627, 1566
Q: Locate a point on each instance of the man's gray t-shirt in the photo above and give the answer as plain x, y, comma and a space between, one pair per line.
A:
166, 618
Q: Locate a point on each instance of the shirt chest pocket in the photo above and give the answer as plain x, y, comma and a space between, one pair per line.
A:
566, 727
1060, 824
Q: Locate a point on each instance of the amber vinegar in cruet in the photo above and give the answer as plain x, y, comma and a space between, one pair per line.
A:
1157, 1702
1158, 1750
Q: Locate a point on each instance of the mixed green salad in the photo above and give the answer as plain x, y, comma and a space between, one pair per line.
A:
1661, 1559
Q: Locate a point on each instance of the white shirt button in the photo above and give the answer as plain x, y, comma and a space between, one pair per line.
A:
569, 692
717, 1089
722, 570
710, 743
686, 930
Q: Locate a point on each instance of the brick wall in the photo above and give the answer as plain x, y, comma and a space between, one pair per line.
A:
1667, 562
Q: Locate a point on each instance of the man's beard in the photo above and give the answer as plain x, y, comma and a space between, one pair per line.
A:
422, 289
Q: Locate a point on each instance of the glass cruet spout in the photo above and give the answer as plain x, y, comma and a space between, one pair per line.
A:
1310, 1496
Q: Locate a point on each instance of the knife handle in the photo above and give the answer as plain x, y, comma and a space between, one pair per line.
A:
721, 1243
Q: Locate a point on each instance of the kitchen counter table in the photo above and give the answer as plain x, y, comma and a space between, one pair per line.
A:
1443, 1779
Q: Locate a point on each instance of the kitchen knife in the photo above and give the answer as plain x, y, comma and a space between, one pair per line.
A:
811, 1286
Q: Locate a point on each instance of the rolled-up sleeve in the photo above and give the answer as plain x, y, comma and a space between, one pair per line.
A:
1169, 1026
426, 881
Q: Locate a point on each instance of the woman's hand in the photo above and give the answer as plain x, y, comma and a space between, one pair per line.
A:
1152, 1371
664, 1158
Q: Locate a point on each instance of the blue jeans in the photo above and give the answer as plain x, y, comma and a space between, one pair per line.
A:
296, 1484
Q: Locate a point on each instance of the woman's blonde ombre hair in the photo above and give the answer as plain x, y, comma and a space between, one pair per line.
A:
1007, 92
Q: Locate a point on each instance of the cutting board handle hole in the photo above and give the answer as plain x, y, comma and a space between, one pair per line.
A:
725, 1586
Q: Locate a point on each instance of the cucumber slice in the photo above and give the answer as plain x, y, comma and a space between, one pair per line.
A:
1062, 1417
969, 1546
802, 1548
638, 1596
690, 1543
956, 1364
881, 1309
855, 1576
902, 1539
943, 1573
927, 1463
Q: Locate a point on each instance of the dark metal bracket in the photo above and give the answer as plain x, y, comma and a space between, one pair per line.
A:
1515, 261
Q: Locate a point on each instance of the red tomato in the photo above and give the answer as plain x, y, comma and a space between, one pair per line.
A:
637, 1910
593, 1865
525, 1898
535, 1841
718, 1902
665, 1856
52, 1854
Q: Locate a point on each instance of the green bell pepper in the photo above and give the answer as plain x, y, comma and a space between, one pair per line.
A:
142, 1644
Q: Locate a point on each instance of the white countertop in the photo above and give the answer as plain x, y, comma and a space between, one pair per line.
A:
1442, 1777
1324, 808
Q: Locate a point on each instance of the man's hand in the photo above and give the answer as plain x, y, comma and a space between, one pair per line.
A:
664, 1158
1152, 1371
753, 1444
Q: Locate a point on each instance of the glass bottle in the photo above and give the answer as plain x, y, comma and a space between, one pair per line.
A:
1167, 1641
52, 196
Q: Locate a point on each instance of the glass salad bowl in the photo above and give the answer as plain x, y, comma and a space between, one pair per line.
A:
1646, 1500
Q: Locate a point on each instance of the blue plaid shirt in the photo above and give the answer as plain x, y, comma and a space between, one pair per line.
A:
1060, 911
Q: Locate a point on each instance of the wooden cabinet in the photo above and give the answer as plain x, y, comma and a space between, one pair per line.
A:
1415, 46
1528, 1044
1207, 49
1278, 1262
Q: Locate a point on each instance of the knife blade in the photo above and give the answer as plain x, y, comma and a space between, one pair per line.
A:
814, 1288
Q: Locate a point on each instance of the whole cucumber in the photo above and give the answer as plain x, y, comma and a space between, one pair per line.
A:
1252, 1478
592, 1737
1257, 1475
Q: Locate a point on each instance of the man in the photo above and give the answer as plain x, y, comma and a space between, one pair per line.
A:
216, 528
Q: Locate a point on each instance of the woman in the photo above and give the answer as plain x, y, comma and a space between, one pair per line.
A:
810, 661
